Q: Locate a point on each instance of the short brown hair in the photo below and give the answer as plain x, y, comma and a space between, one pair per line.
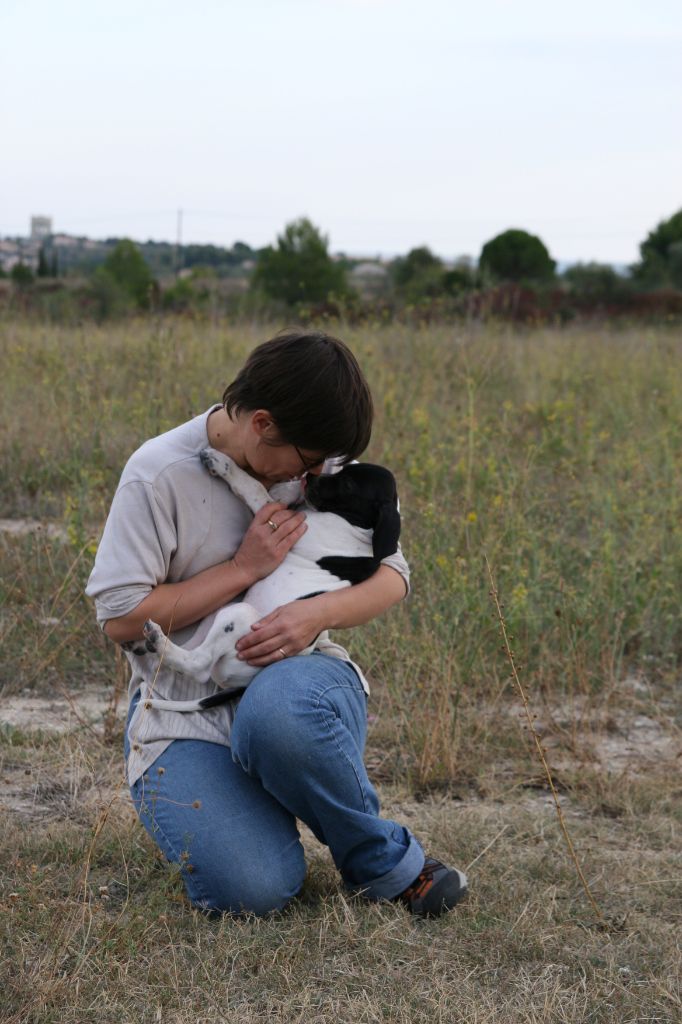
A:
312, 386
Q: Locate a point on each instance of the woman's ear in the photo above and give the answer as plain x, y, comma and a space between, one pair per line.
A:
386, 531
262, 423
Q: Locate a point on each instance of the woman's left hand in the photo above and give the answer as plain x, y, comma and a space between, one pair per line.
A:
283, 633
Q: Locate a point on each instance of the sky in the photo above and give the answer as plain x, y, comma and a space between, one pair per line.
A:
390, 124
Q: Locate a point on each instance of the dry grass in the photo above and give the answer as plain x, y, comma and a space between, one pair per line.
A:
560, 455
95, 927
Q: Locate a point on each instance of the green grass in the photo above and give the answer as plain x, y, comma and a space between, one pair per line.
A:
558, 453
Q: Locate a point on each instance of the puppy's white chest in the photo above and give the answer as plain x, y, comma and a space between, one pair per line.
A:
299, 574
329, 534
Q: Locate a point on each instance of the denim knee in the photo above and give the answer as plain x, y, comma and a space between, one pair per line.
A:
237, 850
269, 721
260, 892
288, 707
240, 884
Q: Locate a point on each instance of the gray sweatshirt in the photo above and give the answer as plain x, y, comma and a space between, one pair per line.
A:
169, 520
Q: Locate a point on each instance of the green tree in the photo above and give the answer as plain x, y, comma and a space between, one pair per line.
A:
418, 261
515, 255
598, 282
21, 275
419, 275
107, 297
126, 265
461, 278
661, 253
180, 297
299, 268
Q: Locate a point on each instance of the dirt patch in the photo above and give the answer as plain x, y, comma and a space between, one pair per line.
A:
59, 714
53, 783
36, 792
577, 734
24, 527
641, 741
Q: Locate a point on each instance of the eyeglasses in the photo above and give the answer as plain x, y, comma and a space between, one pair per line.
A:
307, 464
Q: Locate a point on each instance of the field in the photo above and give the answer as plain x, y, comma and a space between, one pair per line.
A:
556, 454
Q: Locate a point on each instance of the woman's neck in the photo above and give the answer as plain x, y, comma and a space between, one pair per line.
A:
224, 435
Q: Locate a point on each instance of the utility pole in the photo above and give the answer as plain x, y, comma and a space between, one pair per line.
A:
178, 243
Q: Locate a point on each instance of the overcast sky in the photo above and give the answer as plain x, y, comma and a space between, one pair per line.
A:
390, 124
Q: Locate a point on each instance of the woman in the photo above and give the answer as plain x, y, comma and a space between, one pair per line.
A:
219, 791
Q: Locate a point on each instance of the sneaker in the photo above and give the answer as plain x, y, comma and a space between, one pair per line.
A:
435, 890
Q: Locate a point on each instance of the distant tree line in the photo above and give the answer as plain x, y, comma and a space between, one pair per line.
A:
82, 256
515, 275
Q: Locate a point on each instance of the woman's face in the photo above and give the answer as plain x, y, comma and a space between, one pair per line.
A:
271, 460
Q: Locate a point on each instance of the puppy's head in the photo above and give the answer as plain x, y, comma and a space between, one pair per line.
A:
365, 496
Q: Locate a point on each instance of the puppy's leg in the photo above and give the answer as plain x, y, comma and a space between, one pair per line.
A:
250, 491
162, 651
188, 706
215, 658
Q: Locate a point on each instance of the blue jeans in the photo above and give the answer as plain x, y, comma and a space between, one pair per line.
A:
227, 815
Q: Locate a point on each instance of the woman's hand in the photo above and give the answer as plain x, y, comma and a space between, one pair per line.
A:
293, 627
263, 548
283, 633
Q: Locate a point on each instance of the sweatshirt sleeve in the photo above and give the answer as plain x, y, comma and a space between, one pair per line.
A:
134, 553
397, 561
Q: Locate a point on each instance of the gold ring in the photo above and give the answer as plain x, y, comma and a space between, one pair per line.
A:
281, 651
273, 526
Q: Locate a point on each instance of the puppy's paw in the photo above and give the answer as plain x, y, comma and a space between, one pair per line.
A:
153, 636
213, 461
135, 647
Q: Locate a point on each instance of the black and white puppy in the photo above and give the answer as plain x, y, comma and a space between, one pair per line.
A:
353, 523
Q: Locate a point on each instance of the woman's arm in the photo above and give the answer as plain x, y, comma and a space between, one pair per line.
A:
175, 605
293, 627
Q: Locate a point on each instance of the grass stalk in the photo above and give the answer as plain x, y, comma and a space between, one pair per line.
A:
506, 636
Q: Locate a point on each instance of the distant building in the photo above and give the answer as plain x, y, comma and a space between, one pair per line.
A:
65, 241
41, 227
26, 250
19, 250
370, 279
10, 254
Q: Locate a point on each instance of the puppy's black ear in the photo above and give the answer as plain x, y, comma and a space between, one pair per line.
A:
386, 531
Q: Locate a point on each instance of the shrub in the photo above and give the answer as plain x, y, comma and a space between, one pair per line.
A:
21, 275
106, 297
596, 283
127, 267
419, 276
179, 297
